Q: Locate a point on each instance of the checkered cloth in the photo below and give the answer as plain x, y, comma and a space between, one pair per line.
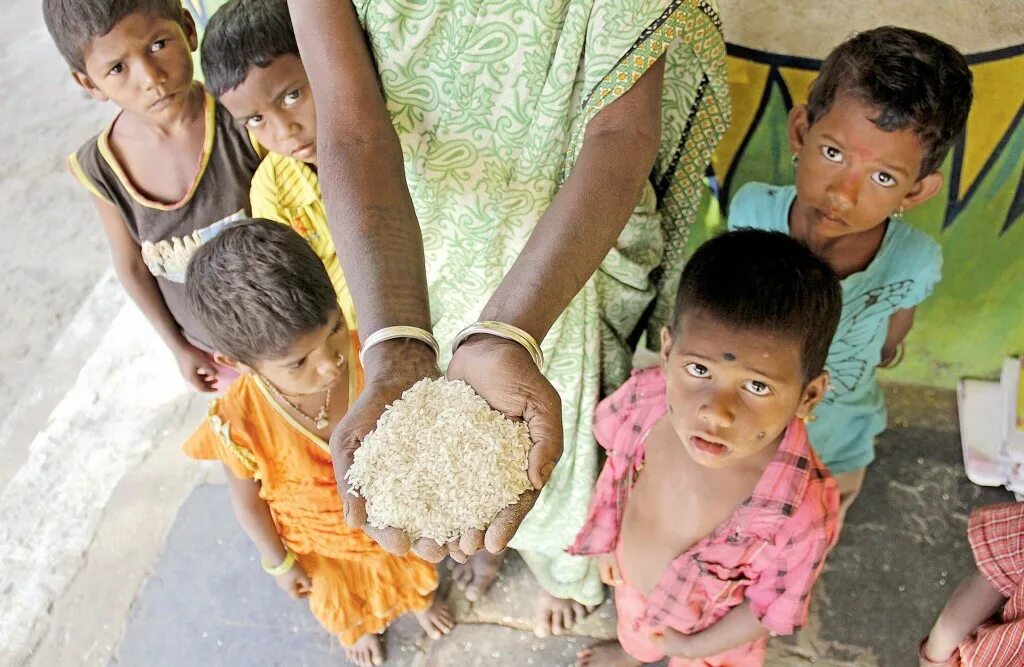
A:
996, 534
769, 552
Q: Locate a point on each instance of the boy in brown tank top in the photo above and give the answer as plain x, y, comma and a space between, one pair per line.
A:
169, 171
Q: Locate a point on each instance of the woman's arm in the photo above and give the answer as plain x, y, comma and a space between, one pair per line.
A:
587, 215
971, 604
141, 286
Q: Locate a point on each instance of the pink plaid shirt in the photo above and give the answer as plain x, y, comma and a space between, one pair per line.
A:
769, 552
996, 534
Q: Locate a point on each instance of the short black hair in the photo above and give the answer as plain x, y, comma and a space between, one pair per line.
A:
256, 288
244, 34
767, 281
74, 23
914, 80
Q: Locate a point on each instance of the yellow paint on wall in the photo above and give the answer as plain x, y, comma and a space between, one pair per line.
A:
998, 95
799, 83
747, 80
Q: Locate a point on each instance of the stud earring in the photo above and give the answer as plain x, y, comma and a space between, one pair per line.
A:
898, 213
808, 419
795, 159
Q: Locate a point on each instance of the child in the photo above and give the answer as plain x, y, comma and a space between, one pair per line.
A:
712, 516
267, 304
252, 65
965, 633
881, 116
169, 170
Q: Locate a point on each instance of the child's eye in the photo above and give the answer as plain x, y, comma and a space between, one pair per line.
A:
758, 388
883, 179
832, 153
253, 121
697, 370
158, 44
291, 98
116, 69
297, 365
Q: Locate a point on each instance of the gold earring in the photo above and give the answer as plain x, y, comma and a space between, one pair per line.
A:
898, 213
339, 360
795, 159
808, 419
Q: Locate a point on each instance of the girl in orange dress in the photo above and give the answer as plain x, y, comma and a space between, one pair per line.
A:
268, 304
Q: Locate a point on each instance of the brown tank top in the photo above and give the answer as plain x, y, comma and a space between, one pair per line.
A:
168, 234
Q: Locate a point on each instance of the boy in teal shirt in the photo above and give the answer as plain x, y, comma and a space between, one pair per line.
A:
881, 117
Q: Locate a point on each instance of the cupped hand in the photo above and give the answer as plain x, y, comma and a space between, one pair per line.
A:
391, 368
504, 374
197, 369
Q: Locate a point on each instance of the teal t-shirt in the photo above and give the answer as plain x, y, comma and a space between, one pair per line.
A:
901, 275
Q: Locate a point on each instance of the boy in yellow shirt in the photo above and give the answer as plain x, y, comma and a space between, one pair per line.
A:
252, 65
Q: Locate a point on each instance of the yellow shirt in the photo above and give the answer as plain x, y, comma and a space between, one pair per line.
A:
287, 190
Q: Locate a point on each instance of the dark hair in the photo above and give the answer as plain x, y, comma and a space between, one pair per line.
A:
243, 34
914, 80
759, 280
256, 288
74, 23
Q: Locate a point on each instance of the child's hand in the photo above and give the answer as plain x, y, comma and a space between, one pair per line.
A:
197, 369
295, 582
672, 643
609, 569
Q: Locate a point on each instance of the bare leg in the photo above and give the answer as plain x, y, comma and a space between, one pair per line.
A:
436, 620
606, 654
556, 616
476, 575
366, 652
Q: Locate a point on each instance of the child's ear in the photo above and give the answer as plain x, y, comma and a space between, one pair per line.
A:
923, 190
86, 84
188, 24
798, 126
231, 363
813, 393
666, 344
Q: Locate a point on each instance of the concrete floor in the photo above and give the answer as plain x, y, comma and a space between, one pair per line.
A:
902, 553
98, 565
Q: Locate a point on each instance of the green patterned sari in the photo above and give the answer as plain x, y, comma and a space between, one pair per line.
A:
491, 99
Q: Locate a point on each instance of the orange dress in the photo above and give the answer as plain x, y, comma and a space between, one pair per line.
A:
357, 587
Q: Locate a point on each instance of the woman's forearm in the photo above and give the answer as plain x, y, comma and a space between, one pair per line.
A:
589, 212
362, 175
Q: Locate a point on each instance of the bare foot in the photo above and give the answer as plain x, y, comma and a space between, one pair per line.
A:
366, 652
436, 620
555, 616
477, 575
606, 654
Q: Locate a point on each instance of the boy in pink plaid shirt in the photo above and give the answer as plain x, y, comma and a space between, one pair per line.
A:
713, 515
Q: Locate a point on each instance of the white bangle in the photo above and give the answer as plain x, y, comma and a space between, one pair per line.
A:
506, 331
391, 333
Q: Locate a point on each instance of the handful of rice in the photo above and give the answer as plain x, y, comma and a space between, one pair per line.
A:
440, 462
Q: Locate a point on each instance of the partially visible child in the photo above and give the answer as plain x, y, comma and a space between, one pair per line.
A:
713, 515
267, 304
252, 65
169, 170
967, 631
883, 113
